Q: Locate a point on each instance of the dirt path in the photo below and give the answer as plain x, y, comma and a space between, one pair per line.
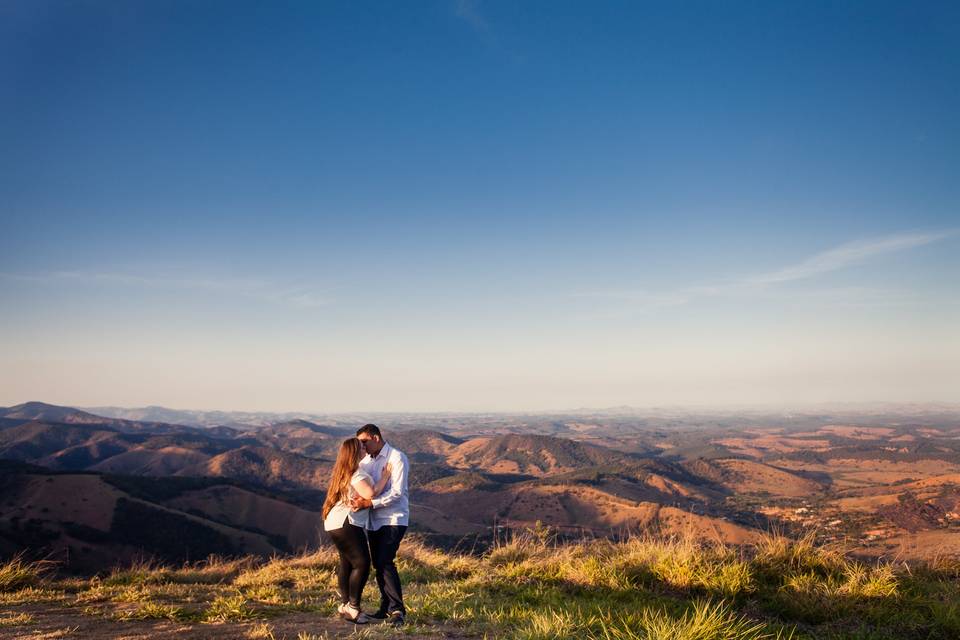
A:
49, 623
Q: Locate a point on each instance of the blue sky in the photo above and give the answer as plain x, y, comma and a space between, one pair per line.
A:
479, 205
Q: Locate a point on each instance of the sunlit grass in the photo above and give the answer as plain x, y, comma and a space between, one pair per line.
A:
32, 595
226, 608
705, 621
154, 611
260, 631
531, 587
16, 619
17, 573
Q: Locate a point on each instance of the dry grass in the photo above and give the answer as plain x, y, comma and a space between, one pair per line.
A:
779, 553
532, 588
32, 595
304, 572
705, 621
17, 573
229, 609
16, 619
260, 631
213, 570
154, 611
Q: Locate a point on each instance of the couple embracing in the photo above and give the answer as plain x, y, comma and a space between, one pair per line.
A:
366, 514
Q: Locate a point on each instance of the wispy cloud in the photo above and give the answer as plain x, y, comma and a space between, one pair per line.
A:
840, 257
469, 12
847, 255
255, 288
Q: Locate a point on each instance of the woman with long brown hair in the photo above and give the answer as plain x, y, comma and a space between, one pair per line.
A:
346, 527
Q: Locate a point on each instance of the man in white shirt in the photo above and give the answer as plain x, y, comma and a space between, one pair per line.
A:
389, 517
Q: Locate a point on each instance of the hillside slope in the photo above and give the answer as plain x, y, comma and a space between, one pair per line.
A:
530, 454
89, 520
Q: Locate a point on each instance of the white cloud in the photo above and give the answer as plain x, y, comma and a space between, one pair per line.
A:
845, 255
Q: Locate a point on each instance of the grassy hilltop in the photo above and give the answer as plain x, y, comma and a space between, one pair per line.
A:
528, 588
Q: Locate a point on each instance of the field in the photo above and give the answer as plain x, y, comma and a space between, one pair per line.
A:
528, 587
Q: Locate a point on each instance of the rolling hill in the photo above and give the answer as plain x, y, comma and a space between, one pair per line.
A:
533, 455
265, 467
744, 476
88, 521
894, 492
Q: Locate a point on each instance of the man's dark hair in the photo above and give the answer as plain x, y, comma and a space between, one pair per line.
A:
371, 430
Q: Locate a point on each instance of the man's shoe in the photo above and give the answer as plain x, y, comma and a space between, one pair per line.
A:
379, 614
396, 618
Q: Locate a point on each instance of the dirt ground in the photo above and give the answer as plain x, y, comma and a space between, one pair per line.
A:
50, 623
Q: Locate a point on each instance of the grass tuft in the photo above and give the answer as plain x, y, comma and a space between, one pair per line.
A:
705, 621
261, 631
155, 611
17, 573
550, 625
213, 570
16, 619
140, 572
228, 609
776, 553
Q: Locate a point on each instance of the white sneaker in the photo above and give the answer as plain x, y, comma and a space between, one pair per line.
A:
352, 614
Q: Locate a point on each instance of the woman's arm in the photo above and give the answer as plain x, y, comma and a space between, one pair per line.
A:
365, 489
397, 488
384, 480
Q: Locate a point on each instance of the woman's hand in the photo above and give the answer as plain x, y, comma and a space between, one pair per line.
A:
384, 480
359, 503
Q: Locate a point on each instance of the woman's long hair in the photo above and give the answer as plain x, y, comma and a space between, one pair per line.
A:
343, 469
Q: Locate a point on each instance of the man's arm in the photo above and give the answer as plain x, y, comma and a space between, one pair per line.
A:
398, 483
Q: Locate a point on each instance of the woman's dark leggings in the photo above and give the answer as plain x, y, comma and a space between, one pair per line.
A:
354, 568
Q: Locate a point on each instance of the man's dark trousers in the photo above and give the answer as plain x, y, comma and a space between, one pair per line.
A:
384, 543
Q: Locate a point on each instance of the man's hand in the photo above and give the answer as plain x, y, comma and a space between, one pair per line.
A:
358, 503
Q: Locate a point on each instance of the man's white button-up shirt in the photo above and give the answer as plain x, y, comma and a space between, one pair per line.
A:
392, 507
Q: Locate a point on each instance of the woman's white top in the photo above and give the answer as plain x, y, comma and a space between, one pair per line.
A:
341, 512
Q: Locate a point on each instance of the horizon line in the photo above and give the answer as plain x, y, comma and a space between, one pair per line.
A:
770, 406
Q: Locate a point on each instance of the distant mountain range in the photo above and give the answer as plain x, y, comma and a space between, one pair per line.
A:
84, 486
662, 415
196, 418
